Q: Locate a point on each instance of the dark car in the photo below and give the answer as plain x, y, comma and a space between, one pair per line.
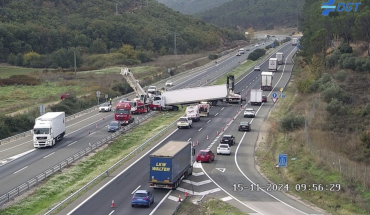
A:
114, 126
229, 139
205, 156
264, 98
142, 197
244, 126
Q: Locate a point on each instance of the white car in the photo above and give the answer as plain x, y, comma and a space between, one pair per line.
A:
249, 113
152, 89
223, 149
256, 45
257, 68
184, 122
169, 83
105, 107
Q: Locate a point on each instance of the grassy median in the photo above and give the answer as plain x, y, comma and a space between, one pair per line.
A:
60, 186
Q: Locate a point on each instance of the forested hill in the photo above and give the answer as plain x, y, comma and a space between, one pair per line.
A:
259, 14
192, 6
42, 33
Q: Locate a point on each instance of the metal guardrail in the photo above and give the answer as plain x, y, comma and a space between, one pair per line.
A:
58, 167
106, 173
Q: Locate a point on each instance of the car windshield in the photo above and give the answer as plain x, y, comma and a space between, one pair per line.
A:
122, 111
203, 153
104, 105
41, 131
114, 123
248, 109
151, 88
183, 120
224, 146
133, 104
226, 137
141, 195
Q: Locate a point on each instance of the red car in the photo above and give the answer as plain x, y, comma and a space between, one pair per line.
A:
205, 156
264, 98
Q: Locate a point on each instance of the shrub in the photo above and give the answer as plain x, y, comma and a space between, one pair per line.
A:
313, 87
345, 48
341, 75
347, 61
330, 93
335, 107
303, 84
290, 122
360, 64
256, 54
332, 60
325, 78
212, 56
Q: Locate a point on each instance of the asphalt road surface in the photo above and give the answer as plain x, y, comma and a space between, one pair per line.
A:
214, 179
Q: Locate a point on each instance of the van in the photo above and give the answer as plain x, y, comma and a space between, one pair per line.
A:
241, 51
192, 112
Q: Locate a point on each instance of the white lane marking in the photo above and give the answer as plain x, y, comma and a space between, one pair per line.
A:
20, 170
216, 114
227, 198
222, 108
72, 143
198, 173
159, 204
7, 160
49, 155
189, 139
200, 129
111, 212
208, 121
92, 133
197, 183
135, 190
173, 198
198, 193
119, 174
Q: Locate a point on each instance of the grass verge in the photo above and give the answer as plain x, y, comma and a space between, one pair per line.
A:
208, 206
60, 186
306, 169
7, 71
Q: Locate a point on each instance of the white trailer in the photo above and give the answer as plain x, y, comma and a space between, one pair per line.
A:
49, 128
192, 112
266, 81
273, 64
170, 99
294, 41
280, 58
204, 109
256, 97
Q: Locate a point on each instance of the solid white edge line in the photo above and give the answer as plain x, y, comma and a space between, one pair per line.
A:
49, 154
111, 212
135, 190
159, 204
237, 149
200, 129
20, 170
189, 139
119, 174
201, 166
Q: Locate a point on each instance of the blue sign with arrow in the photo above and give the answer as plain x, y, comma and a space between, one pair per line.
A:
283, 160
274, 95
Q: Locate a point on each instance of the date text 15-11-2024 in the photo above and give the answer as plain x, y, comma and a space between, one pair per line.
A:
285, 187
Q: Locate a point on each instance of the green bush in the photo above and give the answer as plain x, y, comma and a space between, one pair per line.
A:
256, 54
331, 92
332, 60
212, 56
335, 107
345, 48
347, 61
290, 122
341, 75
313, 87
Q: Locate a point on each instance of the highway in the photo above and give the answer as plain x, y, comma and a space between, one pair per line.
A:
19, 161
214, 179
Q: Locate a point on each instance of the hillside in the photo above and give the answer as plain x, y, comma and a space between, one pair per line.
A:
192, 6
258, 14
100, 33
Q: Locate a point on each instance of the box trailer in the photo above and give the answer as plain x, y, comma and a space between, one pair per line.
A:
49, 128
266, 81
256, 97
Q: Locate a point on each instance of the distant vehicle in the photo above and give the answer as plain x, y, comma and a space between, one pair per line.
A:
257, 68
192, 112
264, 98
241, 50
228, 139
122, 113
106, 107
247, 49
238, 54
249, 113
256, 96
184, 122
152, 89
256, 45
64, 95
142, 197
266, 81
223, 149
273, 65
204, 109
205, 156
169, 83
294, 41
114, 126
244, 126
280, 58
124, 99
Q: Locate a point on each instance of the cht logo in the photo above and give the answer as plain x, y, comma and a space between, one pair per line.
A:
329, 6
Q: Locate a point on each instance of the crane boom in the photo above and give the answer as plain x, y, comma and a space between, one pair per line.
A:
131, 80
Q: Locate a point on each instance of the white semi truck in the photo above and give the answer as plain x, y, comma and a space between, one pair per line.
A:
273, 64
49, 128
266, 81
294, 41
280, 58
256, 97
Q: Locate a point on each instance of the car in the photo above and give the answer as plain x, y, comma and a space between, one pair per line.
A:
228, 139
152, 89
247, 49
114, 126
249, 113
257, 68
223, 149
238, 54
184, 122
205, 155
105, 107
124, 99
142, 197
64, 95
244, 126
264, 98
256, 45
169, 83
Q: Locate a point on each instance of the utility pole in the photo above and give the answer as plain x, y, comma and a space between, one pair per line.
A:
74, 57
116, 8
175, 51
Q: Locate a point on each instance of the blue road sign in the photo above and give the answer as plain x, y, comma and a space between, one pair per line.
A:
283, 160
274, 95
283, 96
272, 45
298, 47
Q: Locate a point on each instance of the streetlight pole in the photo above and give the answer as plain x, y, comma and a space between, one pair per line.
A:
74, 57
175, 51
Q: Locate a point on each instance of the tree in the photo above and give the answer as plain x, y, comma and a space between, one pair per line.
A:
363, 28
250, 35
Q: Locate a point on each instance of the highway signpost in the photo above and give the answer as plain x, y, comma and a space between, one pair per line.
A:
98, 95
282, 162
274, 97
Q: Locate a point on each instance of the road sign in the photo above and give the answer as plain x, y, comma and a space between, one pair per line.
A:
106, 96
281, 89
98, 93
283, 160
274, 100
283, 96
274, 95
221, 169
272, 45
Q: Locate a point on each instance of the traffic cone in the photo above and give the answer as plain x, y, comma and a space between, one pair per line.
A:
103, 118
207, 137
96, 125
223, 129
237, 112
217, 133
179, 198
233, 118
186, 193
112, 205
89, 131
197, 142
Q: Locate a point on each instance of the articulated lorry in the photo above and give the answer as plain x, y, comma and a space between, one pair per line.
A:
294, 41
49, 128
266, 81
256, 96
170, 164
280, 58
273, 64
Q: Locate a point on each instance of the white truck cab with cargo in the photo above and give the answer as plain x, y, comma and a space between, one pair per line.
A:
266, 81
256, 96
241, 51
280, 58
273, 64
294, 41
49, 128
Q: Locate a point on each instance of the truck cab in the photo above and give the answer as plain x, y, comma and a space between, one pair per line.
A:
184, 122
192, 112
123, 113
